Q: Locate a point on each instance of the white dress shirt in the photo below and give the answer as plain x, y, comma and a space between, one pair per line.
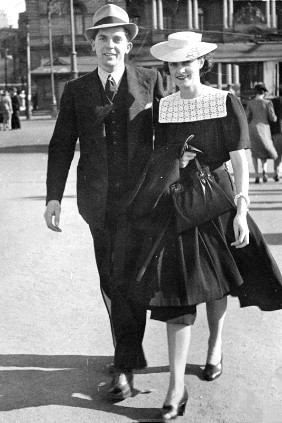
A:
116, 74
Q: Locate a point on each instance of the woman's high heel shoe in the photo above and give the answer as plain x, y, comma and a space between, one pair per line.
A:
170, 412
212, 372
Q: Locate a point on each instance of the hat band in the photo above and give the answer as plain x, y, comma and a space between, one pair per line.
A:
110, 20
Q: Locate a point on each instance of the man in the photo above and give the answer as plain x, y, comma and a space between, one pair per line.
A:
111, 111
16, 104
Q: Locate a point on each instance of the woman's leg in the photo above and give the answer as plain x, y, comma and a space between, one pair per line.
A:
216, 311
264, 169
277, 167
178, 337
255, 164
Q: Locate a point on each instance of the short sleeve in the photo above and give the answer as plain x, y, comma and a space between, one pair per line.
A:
235, 126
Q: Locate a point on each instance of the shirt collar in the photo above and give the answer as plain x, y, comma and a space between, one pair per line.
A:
116, 74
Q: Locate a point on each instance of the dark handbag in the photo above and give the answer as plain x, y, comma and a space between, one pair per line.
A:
161, 171
198, 198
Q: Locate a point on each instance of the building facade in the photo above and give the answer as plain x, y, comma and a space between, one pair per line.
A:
10, 66
248, 35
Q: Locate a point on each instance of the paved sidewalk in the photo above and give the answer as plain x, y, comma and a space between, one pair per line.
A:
54, 330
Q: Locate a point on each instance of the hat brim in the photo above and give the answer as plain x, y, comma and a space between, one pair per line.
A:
164, 52
132, 28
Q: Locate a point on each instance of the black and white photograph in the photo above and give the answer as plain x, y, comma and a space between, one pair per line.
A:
141, 211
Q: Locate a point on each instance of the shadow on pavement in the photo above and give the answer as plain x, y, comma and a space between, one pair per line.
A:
27, 149
273, 239
265, 208
74, 381
40, 197
191, 369
263, 192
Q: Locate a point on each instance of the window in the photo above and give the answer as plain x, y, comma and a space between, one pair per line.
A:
201, 18
168, 18
78, 20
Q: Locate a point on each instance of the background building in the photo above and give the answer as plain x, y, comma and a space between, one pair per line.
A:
248, 34
10, 69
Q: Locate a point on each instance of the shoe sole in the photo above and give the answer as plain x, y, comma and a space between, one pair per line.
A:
120, 396
210, 379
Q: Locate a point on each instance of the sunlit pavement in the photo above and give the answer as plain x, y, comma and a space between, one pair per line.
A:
55, 335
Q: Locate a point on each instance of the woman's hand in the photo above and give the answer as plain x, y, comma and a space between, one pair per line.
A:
241, 230
185, 159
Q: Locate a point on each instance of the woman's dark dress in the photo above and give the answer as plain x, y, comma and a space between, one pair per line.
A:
214, 268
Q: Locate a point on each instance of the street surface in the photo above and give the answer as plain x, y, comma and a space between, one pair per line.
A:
54, 330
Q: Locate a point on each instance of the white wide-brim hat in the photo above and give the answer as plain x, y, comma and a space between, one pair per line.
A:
109, 16
182, 47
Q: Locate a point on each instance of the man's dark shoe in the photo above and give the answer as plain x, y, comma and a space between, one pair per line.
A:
121, 385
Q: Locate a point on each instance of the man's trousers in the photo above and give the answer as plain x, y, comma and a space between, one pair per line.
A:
128, 319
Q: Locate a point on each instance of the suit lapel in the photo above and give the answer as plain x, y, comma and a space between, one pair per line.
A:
138, 88
93, 88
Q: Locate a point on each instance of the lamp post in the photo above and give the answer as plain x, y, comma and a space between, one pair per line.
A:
6, 58
6, 69
74, 71
54, 102
28, 97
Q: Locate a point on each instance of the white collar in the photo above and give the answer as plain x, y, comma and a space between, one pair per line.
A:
116, 74
211, 104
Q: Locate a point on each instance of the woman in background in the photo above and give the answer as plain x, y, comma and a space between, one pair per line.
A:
259, 112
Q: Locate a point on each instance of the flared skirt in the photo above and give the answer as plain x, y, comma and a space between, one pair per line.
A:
200, 265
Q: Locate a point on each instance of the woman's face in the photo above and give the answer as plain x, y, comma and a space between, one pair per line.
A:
186, 74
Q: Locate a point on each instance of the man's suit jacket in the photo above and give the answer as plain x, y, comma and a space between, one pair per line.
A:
81, 116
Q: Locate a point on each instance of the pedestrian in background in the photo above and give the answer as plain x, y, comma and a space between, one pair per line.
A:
1, 110
259, 112
111, 112
177, 270
16, 105
231, 89
7, 110
276, 134
34, 101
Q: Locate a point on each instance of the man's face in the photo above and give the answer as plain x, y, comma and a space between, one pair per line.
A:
111, 46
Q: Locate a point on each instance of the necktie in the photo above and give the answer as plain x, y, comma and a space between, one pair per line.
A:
110, 87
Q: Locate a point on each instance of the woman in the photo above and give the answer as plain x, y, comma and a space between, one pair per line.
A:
219, 256
7, 113
259, 112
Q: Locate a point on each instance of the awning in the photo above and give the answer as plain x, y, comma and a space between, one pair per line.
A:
62, 66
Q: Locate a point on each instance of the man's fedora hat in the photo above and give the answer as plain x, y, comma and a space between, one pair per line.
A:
109, 16
182, 47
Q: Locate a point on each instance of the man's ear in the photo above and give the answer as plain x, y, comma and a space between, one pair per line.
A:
129, 47
92, 44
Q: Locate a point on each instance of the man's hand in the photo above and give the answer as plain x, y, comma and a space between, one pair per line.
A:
52, 213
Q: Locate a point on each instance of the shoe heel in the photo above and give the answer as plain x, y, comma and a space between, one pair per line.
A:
212, 372
182, 408
170, 412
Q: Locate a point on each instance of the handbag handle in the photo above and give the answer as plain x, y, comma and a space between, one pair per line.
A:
189, 147
186, 146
